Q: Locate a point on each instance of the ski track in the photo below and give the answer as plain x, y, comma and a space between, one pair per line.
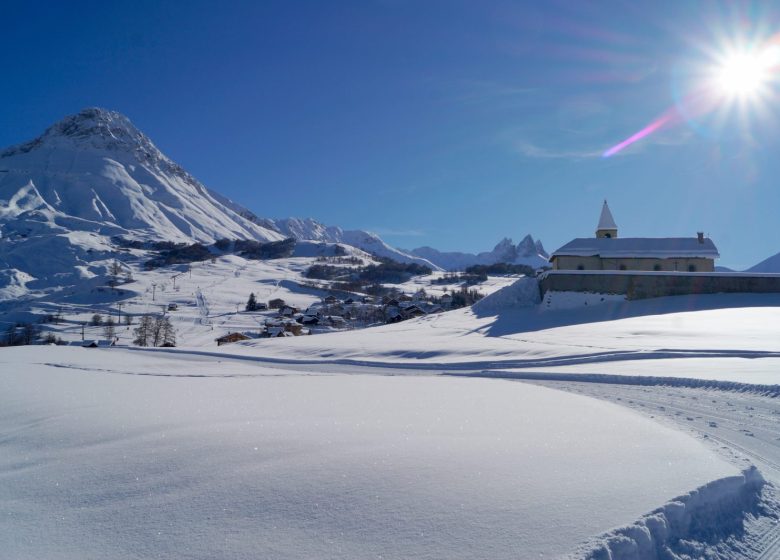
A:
742, 427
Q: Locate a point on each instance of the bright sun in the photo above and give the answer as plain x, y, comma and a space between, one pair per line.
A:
745, 74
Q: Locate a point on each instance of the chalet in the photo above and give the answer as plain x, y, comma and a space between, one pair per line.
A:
412, 311
230, 338
330, 300
274, 332
288, 311
393, 315
96, 343
607, 251
336, 321
446, 301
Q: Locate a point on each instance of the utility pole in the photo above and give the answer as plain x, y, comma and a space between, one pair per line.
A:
82, 331
154, 288
119, 313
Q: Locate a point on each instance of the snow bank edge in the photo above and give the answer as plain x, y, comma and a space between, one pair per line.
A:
712, 513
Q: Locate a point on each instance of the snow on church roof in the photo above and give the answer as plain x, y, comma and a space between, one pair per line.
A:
639, 247
606, 221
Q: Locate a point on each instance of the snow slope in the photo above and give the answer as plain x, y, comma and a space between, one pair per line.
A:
509, 330
94, 171
90, 177
128, 454
527, 252
310, 229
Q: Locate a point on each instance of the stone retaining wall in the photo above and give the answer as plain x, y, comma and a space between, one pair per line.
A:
642, 286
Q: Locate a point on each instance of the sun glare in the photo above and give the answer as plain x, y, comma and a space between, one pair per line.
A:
746, 74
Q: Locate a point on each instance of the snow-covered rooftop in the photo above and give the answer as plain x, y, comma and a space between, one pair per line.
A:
639, 247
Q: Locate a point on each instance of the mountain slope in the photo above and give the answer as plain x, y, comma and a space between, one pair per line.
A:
528, 252
312, 230
95, 171
772, 264
91, 177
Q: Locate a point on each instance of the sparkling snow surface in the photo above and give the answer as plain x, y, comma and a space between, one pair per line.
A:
120, 454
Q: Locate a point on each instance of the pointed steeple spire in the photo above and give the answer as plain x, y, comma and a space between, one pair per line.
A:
607, 226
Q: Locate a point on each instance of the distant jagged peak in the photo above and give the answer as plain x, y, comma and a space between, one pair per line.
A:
540, 248
505, 243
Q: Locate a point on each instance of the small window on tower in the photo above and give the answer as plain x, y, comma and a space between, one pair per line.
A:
608, 235
622, 267
691, 268
656, 267
580, 267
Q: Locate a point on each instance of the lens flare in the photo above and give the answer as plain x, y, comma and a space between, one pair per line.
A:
745, 74
649, 129
738, 76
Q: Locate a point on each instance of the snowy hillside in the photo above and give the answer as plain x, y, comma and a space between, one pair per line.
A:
94, 171
310, 229
527, 252
88, 178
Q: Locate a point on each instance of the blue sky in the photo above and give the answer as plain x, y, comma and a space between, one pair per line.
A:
443, 123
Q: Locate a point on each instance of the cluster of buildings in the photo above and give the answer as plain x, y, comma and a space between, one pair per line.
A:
333, 313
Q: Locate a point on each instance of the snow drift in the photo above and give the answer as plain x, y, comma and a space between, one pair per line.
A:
705, 519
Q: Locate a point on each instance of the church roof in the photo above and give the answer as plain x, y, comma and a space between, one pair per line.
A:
606, 221
639, 247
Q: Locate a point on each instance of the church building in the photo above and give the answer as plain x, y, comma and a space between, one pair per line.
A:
607, 251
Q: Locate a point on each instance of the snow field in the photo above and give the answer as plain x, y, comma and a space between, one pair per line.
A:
112, 453
720, 337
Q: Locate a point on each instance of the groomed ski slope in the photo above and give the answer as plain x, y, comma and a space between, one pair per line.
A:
108, 453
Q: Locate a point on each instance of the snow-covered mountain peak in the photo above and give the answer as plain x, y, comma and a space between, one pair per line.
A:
94, 128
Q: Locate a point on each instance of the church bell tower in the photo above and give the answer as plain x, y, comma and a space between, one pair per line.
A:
607, 227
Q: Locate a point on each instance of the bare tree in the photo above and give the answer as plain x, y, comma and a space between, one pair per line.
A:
168, 333
143, 332
108, 329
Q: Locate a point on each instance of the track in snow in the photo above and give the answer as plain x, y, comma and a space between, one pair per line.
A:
743, 427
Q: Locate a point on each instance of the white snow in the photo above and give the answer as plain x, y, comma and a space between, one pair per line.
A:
312, 230
109, 453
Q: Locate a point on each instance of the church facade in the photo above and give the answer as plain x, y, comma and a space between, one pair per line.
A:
608, 251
